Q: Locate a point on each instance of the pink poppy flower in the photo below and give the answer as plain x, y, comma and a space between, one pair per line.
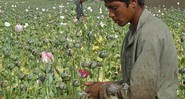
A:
19, 28
47, 57
83, 73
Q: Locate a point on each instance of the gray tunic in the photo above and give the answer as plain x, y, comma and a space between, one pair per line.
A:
149, 61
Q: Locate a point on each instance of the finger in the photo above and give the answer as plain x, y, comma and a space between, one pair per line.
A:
89, 83
90, 97
87, 90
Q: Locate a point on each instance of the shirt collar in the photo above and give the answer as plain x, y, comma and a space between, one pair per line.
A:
142, 19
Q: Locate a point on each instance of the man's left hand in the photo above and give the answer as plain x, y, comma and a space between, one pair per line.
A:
93, 89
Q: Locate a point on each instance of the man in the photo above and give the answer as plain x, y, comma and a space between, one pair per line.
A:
79, 8
148, 56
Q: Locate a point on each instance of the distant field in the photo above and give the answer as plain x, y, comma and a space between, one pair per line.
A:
167, 3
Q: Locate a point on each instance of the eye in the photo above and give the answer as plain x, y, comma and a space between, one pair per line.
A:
114, 8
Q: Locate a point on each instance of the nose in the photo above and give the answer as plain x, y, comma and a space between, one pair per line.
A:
111, 14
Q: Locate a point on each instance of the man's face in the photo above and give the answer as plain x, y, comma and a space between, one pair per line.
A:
119, 12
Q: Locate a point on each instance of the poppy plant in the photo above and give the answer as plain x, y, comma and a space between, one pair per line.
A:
83, 73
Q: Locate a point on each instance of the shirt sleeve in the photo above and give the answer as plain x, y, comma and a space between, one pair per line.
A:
113, 90
146, 70
144, 75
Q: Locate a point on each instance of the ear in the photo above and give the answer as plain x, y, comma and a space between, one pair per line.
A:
133, 3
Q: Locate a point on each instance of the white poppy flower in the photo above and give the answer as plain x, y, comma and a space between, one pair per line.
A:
178, 3
62, 17
25, 25
7, 24
26, 10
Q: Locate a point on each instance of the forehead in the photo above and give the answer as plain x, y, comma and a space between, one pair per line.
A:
113, 3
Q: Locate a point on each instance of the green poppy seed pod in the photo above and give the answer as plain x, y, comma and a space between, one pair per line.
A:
76, 83
103, 54
82, 95
16, 42
51, 42
71, 68
46, 41
63, 39
56, 43
39, 44
110, 37
7, 53
15, 58
117, 56
69, 52
99, 64
182, 38
29, 42
10, 66
12, 43
28, 77
34, 51
18, 63
36, 71
70, 45
31, 57
90, 34
62, 86
93, 65
66, 76
27, 48
42, 77
57, 37
31, 48
182, 71
4, 84
112, 89
21, 76
20, 46
85, 64
77, 45
23, 87
65, 46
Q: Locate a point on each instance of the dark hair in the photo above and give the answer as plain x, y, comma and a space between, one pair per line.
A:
140, 2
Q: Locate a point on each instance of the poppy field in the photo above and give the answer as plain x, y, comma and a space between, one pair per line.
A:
45, 53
